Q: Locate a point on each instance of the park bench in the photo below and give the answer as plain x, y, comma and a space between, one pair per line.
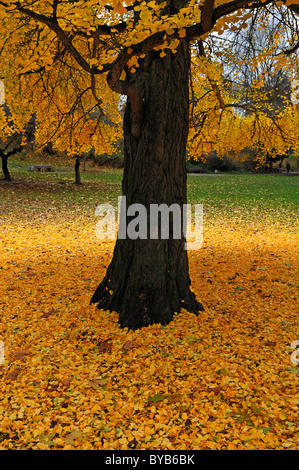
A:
194, 170
40, 167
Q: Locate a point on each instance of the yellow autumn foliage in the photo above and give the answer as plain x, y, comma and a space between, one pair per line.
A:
73, 379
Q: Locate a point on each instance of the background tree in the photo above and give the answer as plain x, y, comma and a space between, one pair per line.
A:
240, 94
143, 50
13, 140
5, 154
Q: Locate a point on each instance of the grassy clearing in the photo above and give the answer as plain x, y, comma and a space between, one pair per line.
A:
243, 197
247, 197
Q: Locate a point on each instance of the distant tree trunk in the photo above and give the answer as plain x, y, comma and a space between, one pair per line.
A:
5, 170
48, 148
77, 170
148, 279
4, 154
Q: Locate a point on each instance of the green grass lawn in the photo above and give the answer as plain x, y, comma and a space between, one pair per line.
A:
273, 197
239, 196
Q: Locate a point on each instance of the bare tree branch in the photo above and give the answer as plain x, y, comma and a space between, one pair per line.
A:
292, 50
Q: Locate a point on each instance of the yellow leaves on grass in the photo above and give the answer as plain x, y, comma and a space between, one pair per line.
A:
72, 379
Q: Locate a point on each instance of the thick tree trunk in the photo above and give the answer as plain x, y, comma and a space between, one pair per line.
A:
148, 279
5, 170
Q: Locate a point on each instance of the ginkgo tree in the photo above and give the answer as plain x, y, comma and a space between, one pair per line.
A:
13, 139
140, 49
241, 96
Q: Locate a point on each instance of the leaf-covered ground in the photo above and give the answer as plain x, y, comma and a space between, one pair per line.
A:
72, 379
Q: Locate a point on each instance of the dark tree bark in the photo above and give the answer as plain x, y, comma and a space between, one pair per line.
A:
77, 170
14, 142
148, 280
4, 157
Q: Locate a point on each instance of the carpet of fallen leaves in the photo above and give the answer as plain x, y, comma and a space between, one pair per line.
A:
72, 379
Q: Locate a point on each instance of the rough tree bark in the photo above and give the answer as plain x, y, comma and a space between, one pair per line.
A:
148, 280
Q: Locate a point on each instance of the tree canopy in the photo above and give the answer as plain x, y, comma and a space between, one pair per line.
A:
196, 77
64, 61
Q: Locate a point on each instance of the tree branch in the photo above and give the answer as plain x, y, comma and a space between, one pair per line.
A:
234, 5
207, 14
292, 50
54, 26
294, 7
212, 82
129, 89
66, 41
